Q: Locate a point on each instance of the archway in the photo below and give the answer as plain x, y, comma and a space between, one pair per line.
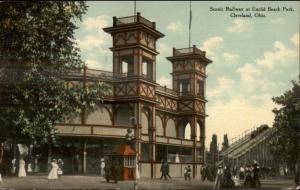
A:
123, 115
170, 128
145, 121
159, 126
184, 130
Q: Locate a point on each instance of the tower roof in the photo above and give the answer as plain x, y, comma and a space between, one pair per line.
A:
133, 22
188, 53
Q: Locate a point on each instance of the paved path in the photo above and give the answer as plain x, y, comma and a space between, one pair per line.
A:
96, 183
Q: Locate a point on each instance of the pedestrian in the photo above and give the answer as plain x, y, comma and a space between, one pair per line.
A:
53, 172
13, 166
60, 164
242, 173
256, 173
164, 169
219, 178
248, 177
137, 172
22, 171
187, 173
227, 178
203, 173
102, 166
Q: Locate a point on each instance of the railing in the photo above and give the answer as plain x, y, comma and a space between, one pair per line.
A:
190, 50
107, 75
133, 19
166, 90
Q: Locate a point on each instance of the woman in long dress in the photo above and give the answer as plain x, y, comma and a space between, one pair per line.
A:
22, 171
53, 173
219, 178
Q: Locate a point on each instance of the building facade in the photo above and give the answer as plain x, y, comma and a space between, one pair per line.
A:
168, 124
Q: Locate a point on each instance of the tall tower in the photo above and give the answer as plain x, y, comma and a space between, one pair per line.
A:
134, 70
189, 75
134, 47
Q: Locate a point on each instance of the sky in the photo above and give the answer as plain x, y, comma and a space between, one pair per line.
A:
254, 59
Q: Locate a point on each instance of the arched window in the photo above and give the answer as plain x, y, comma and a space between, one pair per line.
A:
187, 131
145, 121
123, 115
159, 127
198, 132
100, 117
170, 128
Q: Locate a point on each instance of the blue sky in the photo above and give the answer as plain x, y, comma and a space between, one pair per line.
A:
254, 59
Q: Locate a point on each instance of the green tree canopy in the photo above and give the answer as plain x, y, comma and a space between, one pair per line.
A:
37, 51
284, 144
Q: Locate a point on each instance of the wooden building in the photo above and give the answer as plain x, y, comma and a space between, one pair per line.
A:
162, 117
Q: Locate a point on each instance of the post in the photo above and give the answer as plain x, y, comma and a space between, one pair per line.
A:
84, 157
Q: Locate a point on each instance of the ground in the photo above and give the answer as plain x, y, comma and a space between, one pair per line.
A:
95, 182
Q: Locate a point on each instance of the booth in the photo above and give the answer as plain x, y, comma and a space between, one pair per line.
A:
124, 161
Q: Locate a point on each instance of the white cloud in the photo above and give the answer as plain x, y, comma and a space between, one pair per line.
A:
250, 77
225, 85
97, 23
175, 26
248, 71
240, 25
211, 45
165, 81
94, 64
231, 57
238, 115
295, 39
280, 55
91, 41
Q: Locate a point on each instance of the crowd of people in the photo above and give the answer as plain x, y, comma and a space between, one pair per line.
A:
227, 177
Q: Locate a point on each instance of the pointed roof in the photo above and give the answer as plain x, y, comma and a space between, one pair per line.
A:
124, 150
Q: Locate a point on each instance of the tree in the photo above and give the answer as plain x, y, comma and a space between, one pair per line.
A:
285, 141
37, 51
214, 144
225, 143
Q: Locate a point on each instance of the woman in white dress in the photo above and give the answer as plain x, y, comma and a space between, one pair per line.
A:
53, 173
22, 171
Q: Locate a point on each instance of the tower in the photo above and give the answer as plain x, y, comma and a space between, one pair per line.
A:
134, 71
189, 75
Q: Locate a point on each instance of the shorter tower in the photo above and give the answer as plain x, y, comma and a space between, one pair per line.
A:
189, 75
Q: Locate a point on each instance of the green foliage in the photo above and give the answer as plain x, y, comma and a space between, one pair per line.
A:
37, 51
284, 144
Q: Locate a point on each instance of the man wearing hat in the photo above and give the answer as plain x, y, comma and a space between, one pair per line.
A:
219, 177
256, 180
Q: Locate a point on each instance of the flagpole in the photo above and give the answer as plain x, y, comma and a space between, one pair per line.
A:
190, 24
134, 8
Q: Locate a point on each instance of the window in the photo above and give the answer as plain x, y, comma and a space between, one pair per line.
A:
127, 65
147, 70
200, 89
184, 87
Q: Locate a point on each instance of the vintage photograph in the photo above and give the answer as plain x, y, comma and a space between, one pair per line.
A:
146, 95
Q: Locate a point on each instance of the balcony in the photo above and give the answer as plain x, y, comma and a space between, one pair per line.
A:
165, 90
186, 51
132, 19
